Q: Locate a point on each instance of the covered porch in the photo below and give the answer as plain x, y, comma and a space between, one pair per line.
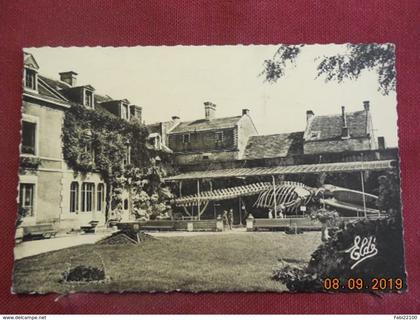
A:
196, 205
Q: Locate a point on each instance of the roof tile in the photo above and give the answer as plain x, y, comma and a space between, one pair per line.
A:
329, 126
203, 124
274, 145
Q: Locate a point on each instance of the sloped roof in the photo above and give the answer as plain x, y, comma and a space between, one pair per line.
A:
203, 124
292, 169
329, 126
45, 91
29, 60
54, 84
100, 98
157, 127
274, 145
154, 127
99, 108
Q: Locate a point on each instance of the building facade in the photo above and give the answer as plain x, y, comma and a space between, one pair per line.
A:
50, 192
207, 140
348, 131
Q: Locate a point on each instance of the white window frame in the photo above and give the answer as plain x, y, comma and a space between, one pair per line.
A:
125, 111
35, 89
100, 199
84, 193
157, 142
29, 179
216, 135
77, 197
85, 94
34, 120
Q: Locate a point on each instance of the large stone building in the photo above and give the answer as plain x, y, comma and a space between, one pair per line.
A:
339, 132
50, 191
339, 137
205, 141
217, 143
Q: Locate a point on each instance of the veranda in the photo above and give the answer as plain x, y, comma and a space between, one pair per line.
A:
205, 195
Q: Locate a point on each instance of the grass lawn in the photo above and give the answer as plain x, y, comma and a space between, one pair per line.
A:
240, 261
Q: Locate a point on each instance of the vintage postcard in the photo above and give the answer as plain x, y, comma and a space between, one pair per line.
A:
209, 168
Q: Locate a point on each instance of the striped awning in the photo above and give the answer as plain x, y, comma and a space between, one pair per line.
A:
222, 194
295, 169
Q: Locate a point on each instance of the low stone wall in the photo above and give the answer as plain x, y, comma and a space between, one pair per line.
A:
285, 224
169, 225
301, 223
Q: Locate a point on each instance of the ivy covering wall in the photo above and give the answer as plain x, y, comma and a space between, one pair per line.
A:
94, 141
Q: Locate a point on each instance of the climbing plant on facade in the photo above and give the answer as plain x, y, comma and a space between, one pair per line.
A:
97, 142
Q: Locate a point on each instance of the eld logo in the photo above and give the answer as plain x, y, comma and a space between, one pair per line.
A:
362, 249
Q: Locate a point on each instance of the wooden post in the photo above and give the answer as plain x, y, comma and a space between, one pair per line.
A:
274, 197
240, 211
363, 193
363, 187
198, 202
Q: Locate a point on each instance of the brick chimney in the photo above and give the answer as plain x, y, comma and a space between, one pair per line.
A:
366, 105
245, 112
309, 115
69, 77
210, 110
344, 128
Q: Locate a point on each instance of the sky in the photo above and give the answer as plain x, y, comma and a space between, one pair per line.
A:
175, 81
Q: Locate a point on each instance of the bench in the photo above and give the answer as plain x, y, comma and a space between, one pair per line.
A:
90, 228
271, 224
45, 231
286, 224
157, 227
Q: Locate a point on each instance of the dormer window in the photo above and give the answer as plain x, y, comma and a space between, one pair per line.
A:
124, 111
156, 142
30, 79
314, 135
88, 99
30, 72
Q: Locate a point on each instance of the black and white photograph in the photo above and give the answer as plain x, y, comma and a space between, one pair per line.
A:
234, 168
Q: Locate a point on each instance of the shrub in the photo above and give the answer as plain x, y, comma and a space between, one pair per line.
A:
332, 258
84, 274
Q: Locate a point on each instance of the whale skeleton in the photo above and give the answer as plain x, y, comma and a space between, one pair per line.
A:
289, 194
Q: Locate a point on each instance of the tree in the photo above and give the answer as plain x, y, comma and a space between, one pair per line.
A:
379, 58
389, 192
